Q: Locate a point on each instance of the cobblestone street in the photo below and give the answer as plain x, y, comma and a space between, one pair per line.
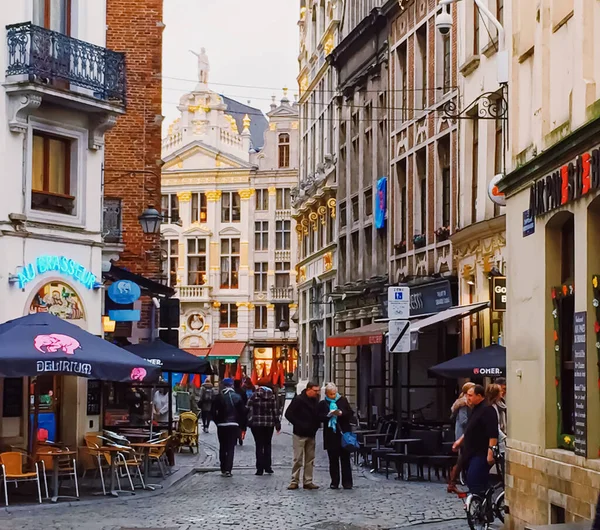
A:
249, 502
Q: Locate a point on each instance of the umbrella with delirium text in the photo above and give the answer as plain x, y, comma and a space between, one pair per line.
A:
41, 343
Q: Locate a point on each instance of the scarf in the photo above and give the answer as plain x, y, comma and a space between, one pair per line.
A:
333, 406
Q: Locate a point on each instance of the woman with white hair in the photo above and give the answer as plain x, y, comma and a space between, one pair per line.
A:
337, 416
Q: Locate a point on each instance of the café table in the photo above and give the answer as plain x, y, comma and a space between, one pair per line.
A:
146, 447
56, 456
114, 450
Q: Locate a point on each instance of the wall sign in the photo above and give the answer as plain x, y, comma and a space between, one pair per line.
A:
528, 223
495, 195
60, 264
499, 293
125, 315
570, 182
430, 298
124, 292
580, 383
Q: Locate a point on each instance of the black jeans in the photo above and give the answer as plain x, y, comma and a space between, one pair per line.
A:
339, 457
228, 437
263, 437
206, 418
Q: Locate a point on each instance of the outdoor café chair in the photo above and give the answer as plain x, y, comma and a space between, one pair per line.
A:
93, 443
158, 455
125, 463
12, 471
66, 466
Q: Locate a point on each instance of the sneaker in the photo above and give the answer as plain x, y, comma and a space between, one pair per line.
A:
333, 487
223, 473
259, 473
228, 474
293, 486
311, 487
269, 471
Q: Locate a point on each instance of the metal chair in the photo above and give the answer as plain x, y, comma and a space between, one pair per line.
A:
12, 470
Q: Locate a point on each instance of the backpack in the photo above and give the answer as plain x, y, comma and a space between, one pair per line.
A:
207, 395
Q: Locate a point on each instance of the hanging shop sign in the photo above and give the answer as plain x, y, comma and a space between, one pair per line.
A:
499, 293
60, 264
430, 298
124, 292
381, 203
568, 183
495, 195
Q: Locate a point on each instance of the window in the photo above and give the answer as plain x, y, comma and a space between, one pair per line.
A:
342, 260
355, 257
260, 317
261, 235
51, 174
369, 202
355, 210
53, 14
284, 150
230, 207
170, 208
282, 274
230, 263
447, 65
228, 316
446, 197
475, 30
282, 314
368, 253
262, 200
343, 218
423, 206
283, 235
196, 261
421, 76
260, 277
199, 208
283, 199
475, 170
170, 255
403, 215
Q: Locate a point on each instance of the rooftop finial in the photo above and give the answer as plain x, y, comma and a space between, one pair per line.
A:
246, 121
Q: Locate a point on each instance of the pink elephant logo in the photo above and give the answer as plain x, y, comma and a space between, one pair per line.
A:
55, 342
138, 374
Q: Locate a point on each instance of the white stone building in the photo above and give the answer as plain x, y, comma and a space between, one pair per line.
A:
228, 246
55, 111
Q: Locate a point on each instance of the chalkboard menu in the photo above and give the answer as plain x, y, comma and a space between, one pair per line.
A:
12, 399
580, 383
94, 395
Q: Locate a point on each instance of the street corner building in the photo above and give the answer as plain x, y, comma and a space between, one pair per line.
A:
553, 296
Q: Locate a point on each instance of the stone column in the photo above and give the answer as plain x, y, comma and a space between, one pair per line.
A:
185, 207
213, 207
246, 229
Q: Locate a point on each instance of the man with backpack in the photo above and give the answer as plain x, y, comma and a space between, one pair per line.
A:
229, 413
205, 401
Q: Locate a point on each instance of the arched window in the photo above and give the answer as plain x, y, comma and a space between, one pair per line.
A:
284, 150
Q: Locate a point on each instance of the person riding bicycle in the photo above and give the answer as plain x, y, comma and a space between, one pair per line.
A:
478, 441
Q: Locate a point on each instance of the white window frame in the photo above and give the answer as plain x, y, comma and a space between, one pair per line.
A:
229, 311
197, 254
261, 313
231, 195
78, 178
230, 256
283, 199
200, 195
262, 199
167, 269
283, 269
261, 236
282, 231
168, 219
261, 271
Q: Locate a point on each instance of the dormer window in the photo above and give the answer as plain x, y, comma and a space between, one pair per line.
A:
284, 150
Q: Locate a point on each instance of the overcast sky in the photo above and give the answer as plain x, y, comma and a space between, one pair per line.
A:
252, 43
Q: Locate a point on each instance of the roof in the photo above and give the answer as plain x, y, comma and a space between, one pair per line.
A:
363, 336
227, 349
460, 311
258, 123
198, 352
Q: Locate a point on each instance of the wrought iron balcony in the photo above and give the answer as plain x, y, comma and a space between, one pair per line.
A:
112, 220
282, 293
49, 57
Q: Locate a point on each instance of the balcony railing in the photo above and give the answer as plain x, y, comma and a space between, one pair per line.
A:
283, 215
194, 293
283, 255
282, 293
47, 56
112, 221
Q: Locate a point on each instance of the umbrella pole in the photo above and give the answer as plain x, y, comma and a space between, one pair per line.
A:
170, 380
152, 410
36, 412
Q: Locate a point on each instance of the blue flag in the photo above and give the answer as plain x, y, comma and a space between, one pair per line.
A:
381, 203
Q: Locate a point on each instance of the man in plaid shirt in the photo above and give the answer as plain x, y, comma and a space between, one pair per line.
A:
264, 416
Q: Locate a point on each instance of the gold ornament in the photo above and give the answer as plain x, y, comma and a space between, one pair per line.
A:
332, 203
184, 196
246, 193
213, 195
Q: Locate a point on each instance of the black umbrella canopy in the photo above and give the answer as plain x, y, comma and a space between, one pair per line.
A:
170, 358
486, 362
41, 343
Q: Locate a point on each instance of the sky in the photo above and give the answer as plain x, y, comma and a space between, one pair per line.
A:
250, 43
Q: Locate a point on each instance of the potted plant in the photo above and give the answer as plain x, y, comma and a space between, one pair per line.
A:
400, 248
442, 233
419, 240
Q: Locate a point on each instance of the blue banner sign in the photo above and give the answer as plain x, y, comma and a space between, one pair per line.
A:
124, 292
125, 315
381, 203
60, 264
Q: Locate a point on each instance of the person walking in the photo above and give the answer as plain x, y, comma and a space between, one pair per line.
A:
229, 414
205, 402
237, 386
263, 418
303, 414
460, 414
337, 417
478, 441
493, 395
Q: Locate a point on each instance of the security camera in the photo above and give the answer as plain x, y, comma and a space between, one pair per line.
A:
443, 21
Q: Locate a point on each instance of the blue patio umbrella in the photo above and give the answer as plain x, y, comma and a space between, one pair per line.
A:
485, 362
170, 358
40, 344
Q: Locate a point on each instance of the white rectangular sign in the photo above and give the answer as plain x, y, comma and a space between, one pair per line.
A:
398, 303
399, 336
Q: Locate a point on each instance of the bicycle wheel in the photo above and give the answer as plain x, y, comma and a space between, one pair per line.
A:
499, 508
476, 513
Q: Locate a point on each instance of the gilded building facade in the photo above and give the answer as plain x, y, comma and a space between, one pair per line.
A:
228, 242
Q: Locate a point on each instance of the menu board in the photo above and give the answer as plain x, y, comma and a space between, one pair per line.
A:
580, 383
12, 404
94, 396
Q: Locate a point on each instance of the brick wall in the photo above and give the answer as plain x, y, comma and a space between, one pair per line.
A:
133, 147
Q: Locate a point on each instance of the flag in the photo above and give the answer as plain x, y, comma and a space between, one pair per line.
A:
197, 380
281, 375
264, 370
254, 377
184, 381
226, 375
274, 372
238, 372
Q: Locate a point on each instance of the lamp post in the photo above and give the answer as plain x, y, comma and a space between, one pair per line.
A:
284, 327
150, 220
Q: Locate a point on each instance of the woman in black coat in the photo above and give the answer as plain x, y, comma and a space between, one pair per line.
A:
337, 416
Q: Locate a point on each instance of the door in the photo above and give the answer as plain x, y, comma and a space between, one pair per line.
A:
53, 14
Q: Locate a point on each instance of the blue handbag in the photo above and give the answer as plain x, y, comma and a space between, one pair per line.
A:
350, 441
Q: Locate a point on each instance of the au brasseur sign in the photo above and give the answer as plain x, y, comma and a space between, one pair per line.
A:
62, 265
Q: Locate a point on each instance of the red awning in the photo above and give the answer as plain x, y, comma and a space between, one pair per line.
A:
198, 352
227, 349
363, 336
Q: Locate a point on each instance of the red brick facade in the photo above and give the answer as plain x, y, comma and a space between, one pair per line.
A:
133, 147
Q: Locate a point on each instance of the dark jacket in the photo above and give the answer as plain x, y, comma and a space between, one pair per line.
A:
228, 409
333, 440
303, 414
263, 409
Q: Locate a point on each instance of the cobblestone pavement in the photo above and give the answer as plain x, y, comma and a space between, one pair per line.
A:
250, 502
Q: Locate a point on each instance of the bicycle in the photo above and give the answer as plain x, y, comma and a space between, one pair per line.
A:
482, 511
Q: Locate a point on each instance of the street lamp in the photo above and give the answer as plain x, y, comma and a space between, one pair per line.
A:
284, 327
150, 220
443, 22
